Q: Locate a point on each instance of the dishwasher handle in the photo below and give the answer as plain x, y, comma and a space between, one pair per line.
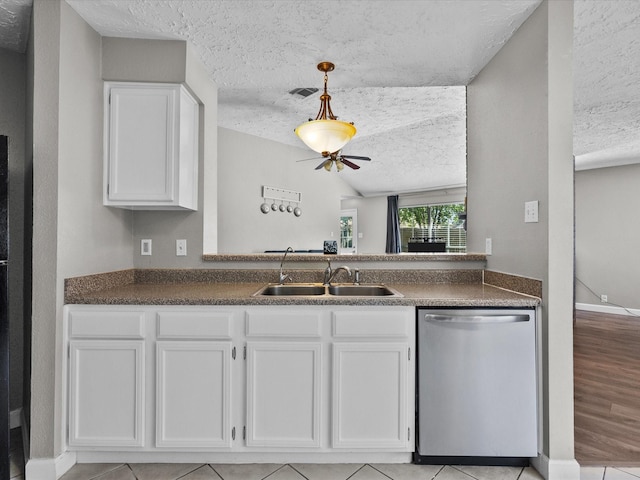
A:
500, 318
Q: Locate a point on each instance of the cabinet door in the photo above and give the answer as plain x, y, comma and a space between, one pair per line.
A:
106, 393
193, 401
370, 396
283, 394
142, 143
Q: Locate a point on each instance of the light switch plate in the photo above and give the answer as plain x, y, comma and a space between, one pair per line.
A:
181, 248
145, 246
531, 211
488, 247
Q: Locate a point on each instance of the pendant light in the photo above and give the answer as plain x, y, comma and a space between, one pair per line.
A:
326, 134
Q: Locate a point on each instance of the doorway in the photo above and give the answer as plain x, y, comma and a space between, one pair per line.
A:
348, 231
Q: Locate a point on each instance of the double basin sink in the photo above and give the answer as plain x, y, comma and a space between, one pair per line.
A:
334, 290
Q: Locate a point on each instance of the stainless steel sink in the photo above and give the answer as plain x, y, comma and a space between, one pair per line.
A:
362, 291
318, 289
292, 290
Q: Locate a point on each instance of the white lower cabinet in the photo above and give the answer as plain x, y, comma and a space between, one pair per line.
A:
106, 393
193, 398
106, 378
373, 379
283, 394
240, 379
370, 408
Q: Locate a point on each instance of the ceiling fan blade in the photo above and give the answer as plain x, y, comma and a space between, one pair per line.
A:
350, 164
322, 164
307, 159
355, 157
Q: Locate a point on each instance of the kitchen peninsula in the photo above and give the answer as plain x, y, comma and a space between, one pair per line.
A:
423, 280
192, 365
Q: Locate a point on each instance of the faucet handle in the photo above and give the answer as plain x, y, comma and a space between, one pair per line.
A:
356, 277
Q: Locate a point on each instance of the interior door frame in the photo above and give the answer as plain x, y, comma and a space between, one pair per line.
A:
353, 213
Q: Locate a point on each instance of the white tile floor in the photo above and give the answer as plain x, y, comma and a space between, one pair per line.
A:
321, 472
296, 472
325, 472
609, 473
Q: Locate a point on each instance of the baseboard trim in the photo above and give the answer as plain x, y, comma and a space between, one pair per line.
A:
50, 468
15, 418
242, 457
556, 469
589, 307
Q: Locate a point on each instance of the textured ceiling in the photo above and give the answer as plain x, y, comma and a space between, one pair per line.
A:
401, 67
389, 56
15, 16
606, 82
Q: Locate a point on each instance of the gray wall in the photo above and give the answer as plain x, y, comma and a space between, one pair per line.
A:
246, 163
519, 149
13, 80
607, 235
72, 233
535, 65
170, 61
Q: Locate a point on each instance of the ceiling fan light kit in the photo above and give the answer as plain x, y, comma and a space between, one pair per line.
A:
326, 134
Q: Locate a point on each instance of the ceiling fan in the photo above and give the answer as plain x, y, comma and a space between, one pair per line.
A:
340, 160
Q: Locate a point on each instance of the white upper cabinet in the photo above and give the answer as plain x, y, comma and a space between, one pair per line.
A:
150, 147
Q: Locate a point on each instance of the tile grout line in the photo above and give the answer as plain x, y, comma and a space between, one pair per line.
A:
618, 469
297, 471
197, 468
276, 470
115, 467
457, 469
350, 476
378, 471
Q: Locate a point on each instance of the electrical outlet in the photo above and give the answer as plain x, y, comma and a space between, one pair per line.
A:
488, 247
145, 246
604, 299
531, 211
181, 248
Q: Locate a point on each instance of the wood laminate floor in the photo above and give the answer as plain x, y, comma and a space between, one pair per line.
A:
607, 389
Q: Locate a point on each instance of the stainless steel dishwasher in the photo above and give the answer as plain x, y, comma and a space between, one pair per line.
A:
477, 386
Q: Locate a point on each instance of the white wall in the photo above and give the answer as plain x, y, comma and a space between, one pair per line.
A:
246, 163
12, 124
608, 234
519, 149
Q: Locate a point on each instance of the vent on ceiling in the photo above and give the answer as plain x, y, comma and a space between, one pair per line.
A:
303, 92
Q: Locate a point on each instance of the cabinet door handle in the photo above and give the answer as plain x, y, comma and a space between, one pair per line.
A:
233, 353
233, 433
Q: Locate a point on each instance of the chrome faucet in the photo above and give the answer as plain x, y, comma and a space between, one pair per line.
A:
283, 277
330, 274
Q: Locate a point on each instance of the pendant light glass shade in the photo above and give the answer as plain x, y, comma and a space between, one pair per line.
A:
325, 136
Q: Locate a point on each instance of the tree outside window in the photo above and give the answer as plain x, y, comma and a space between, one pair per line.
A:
433, 222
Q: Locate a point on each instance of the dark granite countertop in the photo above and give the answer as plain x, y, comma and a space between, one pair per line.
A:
472, 295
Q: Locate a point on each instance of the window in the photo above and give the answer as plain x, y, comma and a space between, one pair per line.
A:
432, 228
348, 231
